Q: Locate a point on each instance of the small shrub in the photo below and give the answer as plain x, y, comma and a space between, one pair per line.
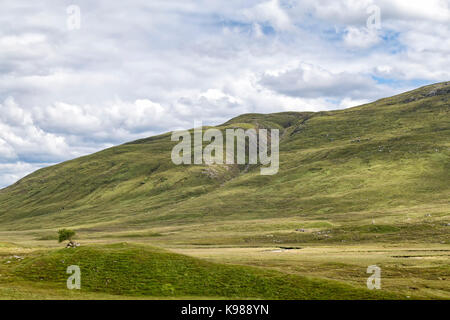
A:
65, 234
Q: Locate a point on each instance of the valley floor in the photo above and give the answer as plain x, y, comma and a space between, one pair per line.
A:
286, 257
408, 270
418, 271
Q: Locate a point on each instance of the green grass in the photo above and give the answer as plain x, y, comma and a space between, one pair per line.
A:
132, 270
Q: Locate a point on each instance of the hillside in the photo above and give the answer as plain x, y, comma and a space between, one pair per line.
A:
388, 160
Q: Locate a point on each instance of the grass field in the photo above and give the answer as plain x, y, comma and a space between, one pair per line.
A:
356, 187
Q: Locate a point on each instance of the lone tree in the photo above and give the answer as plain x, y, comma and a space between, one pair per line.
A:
66, 234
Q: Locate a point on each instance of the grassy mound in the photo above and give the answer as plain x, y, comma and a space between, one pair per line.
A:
136, 270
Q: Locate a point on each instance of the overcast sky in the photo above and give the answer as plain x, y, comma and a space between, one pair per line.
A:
132, 69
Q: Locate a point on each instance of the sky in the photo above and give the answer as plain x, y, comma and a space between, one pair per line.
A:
79, 76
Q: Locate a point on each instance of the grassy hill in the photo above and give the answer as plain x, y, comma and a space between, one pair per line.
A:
132, 270
377, 158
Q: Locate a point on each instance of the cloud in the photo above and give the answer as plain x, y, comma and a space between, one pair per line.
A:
362, 38
269, 12
352, 12
309, 81
21, 139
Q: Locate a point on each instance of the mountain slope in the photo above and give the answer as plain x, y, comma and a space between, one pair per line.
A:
379, 159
